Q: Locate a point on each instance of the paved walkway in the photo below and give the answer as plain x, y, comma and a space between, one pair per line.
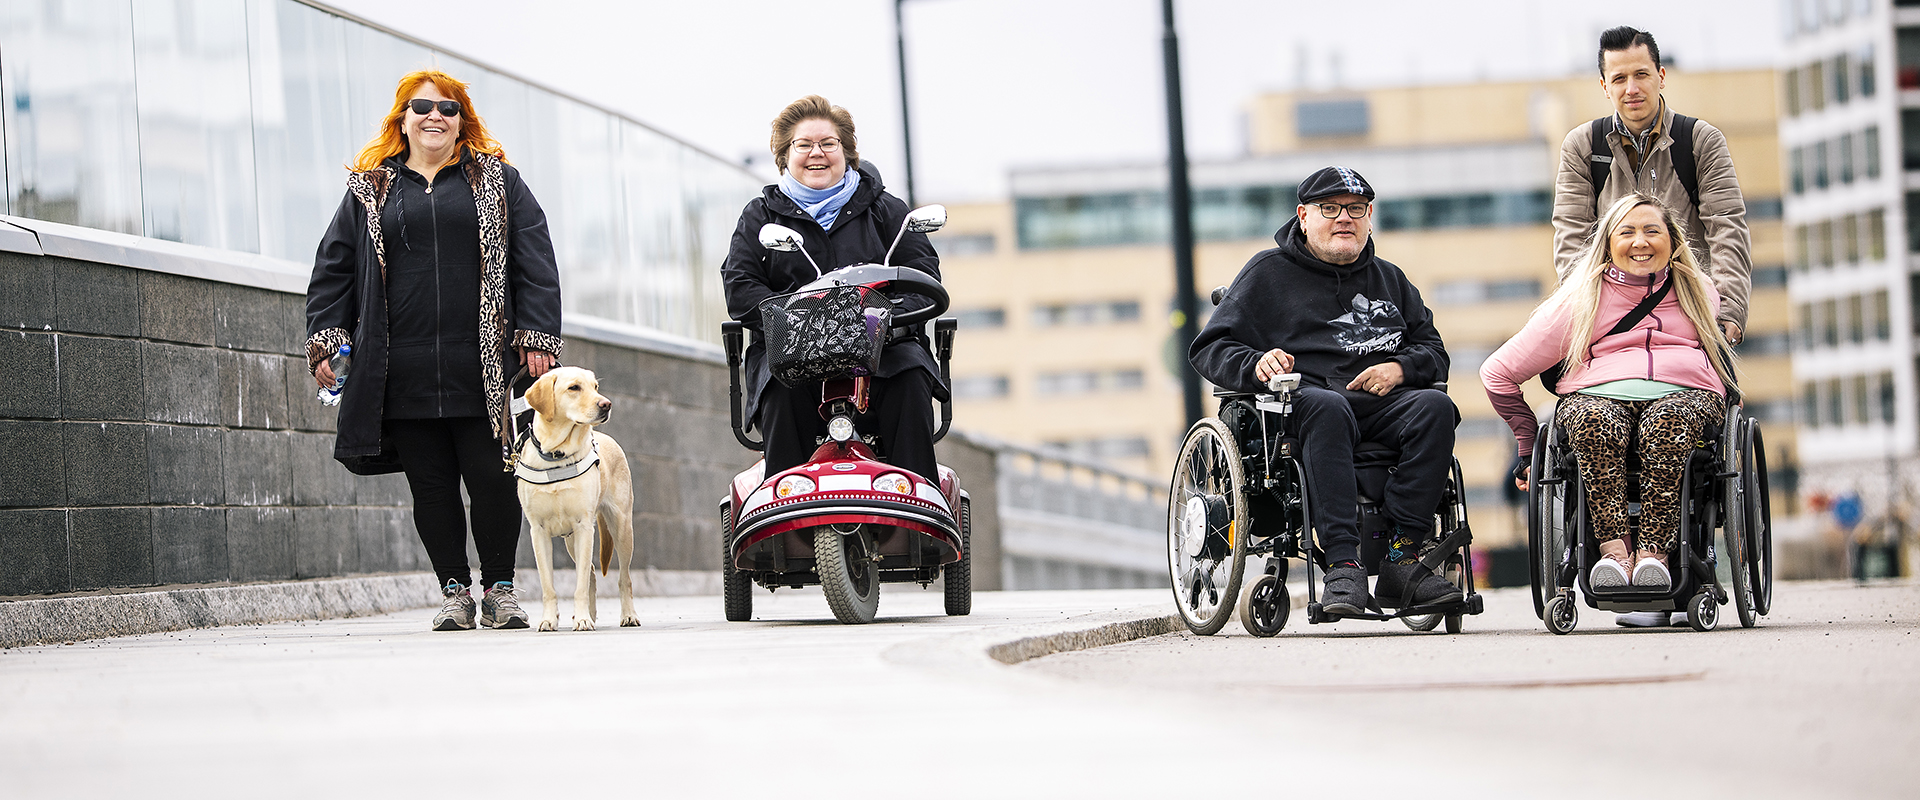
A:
1819, 701
795, 705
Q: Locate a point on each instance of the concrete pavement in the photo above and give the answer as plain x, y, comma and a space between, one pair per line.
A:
1820, 700
794, 704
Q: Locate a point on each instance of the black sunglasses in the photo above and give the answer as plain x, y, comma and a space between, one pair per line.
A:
448, 108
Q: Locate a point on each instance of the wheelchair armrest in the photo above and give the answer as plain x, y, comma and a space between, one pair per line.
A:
943, 329
733, 336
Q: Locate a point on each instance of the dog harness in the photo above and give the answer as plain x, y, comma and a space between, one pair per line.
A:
559, 472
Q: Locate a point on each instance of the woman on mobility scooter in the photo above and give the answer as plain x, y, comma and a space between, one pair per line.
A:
849, 494
1643, 372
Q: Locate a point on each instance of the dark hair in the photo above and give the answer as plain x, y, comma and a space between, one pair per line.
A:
1627, 37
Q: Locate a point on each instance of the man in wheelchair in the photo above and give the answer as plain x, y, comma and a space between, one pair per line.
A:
1322, 304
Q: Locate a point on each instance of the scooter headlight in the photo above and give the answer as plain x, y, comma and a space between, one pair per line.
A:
893, 482
793, 485
840, 428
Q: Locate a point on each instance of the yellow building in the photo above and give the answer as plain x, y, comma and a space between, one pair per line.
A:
1065, 292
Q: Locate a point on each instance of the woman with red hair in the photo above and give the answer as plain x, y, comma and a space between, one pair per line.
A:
438, 269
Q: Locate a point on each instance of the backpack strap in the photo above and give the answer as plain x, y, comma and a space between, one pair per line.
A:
1684, 167
1599, 159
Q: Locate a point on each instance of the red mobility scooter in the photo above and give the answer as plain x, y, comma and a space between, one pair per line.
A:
845, 520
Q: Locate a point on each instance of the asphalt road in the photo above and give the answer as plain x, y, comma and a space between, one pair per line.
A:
1820, 700
1818, 703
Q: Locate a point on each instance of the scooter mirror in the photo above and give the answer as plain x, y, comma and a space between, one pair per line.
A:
927, 219
774, 236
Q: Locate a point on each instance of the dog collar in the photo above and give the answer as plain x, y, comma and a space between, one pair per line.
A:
559, 472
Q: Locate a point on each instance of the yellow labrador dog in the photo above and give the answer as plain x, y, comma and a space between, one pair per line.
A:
574, 483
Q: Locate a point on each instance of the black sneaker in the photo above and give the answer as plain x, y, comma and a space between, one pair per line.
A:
1345, 589
1428, 588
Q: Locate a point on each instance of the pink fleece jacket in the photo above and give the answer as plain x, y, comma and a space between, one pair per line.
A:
1663, 347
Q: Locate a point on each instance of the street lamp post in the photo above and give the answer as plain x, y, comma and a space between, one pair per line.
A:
1180, 202
906, 119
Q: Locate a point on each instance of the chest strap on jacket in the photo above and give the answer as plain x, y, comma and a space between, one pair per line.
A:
1600, 157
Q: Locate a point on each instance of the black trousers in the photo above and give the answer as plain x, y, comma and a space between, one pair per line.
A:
437, 455
899, 411
1331, 423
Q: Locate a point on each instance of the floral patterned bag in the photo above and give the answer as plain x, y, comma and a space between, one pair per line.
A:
825, 334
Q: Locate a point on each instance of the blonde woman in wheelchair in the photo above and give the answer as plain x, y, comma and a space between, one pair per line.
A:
1653, 384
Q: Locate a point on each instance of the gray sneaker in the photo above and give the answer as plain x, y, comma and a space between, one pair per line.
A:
456, 614
498, 608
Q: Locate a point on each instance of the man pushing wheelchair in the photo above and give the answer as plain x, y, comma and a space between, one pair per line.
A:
1322, 304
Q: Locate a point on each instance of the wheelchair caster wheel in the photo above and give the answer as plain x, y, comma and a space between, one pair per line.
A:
1456, 623
1703, 612
1264, 606
1561, 615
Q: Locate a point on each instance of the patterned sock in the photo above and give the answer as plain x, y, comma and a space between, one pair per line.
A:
1400, 549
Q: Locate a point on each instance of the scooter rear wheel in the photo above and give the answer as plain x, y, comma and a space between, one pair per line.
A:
847, 577
958, 576
735, 584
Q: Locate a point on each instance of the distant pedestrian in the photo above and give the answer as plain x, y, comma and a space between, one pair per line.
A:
439, 270
1646, 148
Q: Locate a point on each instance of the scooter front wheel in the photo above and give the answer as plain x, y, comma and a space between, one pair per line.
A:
848, 577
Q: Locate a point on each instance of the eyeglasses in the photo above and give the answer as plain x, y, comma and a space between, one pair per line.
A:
829, 146
421, 105
1354, 210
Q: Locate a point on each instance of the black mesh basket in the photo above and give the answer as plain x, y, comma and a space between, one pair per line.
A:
826, 334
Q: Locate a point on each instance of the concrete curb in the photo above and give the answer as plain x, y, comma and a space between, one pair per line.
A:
67, 619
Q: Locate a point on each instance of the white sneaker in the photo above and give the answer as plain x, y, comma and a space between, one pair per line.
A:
1646, 619
1608, 574
1651, 574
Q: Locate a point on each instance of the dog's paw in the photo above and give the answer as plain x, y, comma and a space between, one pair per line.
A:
550, 624
629, 621
581, 624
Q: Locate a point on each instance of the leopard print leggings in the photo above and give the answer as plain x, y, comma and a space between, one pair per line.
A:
1668, 427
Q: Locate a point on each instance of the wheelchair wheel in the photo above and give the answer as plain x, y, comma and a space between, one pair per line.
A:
1206, 520
1547, 515
1703, 612
1264, 606
1451, 572
1737, 537
1759, 516
1562, 615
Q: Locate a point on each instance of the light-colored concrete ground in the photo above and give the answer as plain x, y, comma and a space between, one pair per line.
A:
795, 705
1820, 700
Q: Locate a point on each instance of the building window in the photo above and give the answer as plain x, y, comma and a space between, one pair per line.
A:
1866, 72
1906, 46
1887, 395
964, 244
1103, 313
1872, 140
1790, 85
1455, 293
1089, 381
981, 318
1820, 165
1829, 323
1763, 344
1842, 78
1797, 169
1877, 234
1882, 316
1810, 404
980, 387
1113, 447
1764, 277
1798, 252
1817, 84
1331, 118
1862, 400
1846, 158
1850, 237
1913, 222
1836, 396
1803, 314
1823, 243
1856, 320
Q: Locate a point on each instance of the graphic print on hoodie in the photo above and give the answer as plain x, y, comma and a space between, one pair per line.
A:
1373, 326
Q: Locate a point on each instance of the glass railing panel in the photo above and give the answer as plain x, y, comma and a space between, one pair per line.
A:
72, 130
196, 123
302, 134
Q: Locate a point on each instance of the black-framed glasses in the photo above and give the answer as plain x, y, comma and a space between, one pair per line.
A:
1354, 210
421, 105
828, 146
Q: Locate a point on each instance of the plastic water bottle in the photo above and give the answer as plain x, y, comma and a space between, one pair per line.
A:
340, 361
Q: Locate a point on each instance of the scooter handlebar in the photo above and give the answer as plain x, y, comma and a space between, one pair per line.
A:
912, 281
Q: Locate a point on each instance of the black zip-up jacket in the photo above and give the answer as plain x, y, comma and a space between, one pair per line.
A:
861, 234
1336, 320
433, 286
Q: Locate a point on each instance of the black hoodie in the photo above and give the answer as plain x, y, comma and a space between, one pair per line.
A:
1335, 320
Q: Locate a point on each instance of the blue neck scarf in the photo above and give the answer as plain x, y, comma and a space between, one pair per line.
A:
821, 204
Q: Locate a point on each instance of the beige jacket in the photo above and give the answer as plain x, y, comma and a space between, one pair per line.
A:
1716, 229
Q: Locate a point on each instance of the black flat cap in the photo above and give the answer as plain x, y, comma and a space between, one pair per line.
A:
1330, 181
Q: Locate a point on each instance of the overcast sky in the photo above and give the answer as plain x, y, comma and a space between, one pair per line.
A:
1000, 84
